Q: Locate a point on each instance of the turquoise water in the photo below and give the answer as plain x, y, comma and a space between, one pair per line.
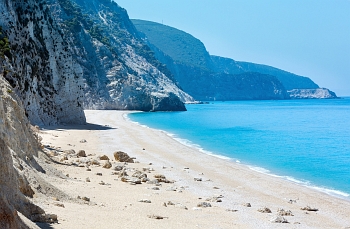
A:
306, 141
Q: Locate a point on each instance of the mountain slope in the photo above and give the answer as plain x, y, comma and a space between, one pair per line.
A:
177, 49
180, 51
119, 69
289, 80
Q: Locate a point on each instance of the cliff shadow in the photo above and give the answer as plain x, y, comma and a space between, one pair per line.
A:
87, 126
44, 225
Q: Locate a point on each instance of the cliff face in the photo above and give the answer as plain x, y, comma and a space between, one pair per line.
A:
18, 149
319, 93
40, 65
119, 69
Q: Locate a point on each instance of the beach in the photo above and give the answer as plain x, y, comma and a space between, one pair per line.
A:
200, 190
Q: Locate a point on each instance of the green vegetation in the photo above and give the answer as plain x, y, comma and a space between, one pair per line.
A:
78, 20
180, 46
5, 49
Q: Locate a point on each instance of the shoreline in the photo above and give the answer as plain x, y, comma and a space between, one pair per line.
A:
198, 177
303, 183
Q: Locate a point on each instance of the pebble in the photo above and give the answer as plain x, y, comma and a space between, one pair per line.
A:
204, 205
145, 201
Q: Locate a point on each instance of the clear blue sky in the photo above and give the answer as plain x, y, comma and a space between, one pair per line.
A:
306, 37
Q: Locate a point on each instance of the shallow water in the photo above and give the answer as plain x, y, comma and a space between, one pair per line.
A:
305, 141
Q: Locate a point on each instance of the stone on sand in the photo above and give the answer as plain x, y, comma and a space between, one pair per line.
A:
81, 153
122, 157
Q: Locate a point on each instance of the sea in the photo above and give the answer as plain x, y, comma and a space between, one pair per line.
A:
303, 141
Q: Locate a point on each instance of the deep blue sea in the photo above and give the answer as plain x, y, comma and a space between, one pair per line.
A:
305, 141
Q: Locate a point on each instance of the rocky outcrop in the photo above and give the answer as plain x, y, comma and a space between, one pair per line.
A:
18, 148
319, 93
40, 66
119, 69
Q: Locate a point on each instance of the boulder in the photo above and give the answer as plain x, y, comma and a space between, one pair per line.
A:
204, 205
264, 210
81, 153
308, 208
122, 157
278, 219
107, 165
68, 152
283, 212
103, 158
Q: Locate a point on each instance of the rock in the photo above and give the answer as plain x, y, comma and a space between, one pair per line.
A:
99, 174
197, 179
134, 180
155, 188
156, 217
81, 153
88, 169
247, 205
264, 210
162, 178
118, 168
203, 205
64, 158
87, 179
159, 176
103, 158
282, 212
231, 210
122, 157
155, 181
59, 205
214, 199
85, 198
139, 175
278, 219
102, 183
94, 162
44, 218
170, 203
308, 208
145, 201
52, 153
82, 141
107, 165
69, 152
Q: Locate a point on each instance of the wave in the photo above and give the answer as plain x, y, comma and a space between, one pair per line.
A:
305, 183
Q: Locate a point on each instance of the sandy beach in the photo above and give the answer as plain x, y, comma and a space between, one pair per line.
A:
200, 190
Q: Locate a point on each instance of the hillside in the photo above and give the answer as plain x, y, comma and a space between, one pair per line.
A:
175, 53
289, 80
180, 46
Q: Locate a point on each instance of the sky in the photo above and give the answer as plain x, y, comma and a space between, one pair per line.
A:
306, 37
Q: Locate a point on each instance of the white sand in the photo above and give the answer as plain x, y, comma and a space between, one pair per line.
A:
116, 205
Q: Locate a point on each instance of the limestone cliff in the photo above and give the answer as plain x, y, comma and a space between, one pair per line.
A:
318, 93
18, 148
40, 66
119, 69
